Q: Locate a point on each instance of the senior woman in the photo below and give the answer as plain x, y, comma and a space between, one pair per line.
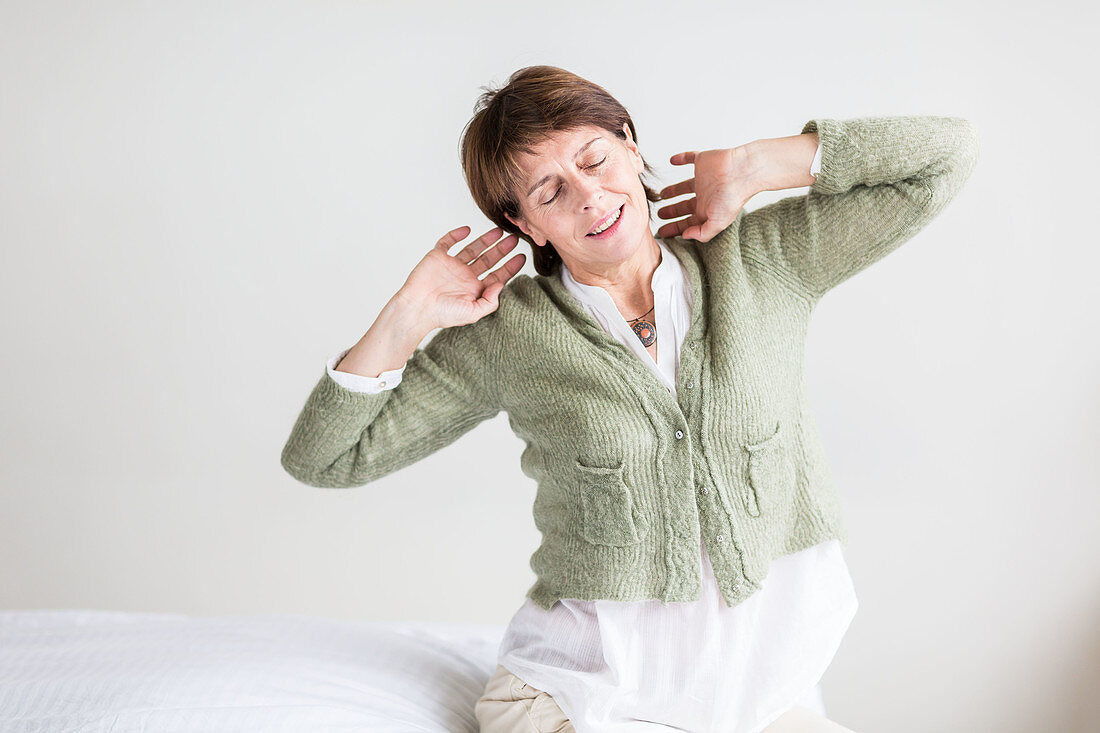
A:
691, 573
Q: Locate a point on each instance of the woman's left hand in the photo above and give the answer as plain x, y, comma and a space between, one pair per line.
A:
721, 186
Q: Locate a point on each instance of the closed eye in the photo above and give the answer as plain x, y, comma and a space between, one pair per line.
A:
594, 165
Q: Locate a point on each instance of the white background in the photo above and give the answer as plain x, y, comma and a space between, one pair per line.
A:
201, 202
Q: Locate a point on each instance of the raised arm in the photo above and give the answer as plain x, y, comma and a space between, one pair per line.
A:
345, 437
881, 180
348, 436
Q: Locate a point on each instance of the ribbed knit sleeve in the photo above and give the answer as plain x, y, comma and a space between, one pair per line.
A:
345, 438
882, 179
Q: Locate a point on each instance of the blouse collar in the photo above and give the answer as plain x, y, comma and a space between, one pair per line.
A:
666, 277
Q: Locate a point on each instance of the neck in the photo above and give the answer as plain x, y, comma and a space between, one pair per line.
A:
629, 282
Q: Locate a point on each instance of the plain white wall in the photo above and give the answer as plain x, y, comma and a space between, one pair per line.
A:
201, 202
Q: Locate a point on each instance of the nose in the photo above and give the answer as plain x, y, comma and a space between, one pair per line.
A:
589, 195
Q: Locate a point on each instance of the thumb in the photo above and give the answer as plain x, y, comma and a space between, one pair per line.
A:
488, 299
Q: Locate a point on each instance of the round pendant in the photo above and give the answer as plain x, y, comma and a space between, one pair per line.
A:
646, 331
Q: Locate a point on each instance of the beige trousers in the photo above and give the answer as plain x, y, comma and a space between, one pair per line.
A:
510, 705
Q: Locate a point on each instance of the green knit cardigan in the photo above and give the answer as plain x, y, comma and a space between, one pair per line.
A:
627, 474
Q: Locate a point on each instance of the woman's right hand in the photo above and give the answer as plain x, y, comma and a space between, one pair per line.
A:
446, 290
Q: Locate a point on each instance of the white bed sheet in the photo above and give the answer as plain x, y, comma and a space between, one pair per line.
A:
85, 671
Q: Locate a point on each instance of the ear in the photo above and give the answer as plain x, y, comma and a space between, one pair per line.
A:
632, 146
522, 225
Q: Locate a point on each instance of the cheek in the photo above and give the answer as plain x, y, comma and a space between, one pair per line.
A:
630, 180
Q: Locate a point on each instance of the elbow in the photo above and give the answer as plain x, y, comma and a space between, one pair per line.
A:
974, 144
316, 479
337, 475
299, 473
307, 475
969, 146
951, 172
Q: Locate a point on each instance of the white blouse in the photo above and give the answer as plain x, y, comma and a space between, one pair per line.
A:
698, 666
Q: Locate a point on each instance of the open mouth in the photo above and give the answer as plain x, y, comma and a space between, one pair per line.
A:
610, 231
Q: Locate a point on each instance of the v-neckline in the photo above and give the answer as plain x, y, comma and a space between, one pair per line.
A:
588, 326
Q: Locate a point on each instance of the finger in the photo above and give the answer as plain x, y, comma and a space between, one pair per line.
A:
704, 229
709, 230
676, 228
683, 158
471, 251
680, 208
485, 261
666, 232
455, 235
670, 230
678, 189
507, 271
488, 301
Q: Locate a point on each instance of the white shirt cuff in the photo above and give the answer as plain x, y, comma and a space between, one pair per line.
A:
815, 167
359, 383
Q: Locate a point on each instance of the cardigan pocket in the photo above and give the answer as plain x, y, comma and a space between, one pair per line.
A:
609, 515
769, 471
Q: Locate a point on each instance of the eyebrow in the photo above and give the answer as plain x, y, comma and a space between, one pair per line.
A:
544, 179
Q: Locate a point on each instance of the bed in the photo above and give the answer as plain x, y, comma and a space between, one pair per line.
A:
86, 671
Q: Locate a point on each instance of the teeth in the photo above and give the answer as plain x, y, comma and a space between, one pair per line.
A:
610, 221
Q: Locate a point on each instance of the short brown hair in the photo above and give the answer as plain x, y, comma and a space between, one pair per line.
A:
535, 102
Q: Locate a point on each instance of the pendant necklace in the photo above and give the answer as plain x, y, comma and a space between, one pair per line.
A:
646, 330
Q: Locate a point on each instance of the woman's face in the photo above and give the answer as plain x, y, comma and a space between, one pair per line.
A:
576, 180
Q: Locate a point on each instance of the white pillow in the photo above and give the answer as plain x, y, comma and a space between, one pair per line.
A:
91, 671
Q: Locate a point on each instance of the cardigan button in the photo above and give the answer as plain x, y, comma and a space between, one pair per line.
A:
721, 538
689, 385
705, 490
679, 434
